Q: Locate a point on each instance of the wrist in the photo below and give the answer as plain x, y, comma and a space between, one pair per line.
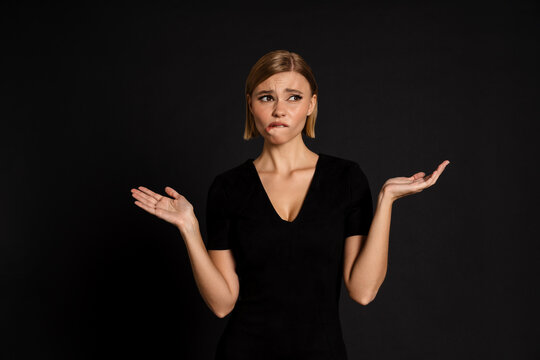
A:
385, 196
188, 226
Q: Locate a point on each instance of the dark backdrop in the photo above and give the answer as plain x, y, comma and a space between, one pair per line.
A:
97, 100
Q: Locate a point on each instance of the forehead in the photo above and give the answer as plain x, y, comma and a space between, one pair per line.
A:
289, 79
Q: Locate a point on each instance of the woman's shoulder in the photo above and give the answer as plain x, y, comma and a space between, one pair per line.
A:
337, 170
236, 176
236, 183
337, 162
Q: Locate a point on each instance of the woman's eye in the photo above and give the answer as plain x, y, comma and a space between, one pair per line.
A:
298, 97
265, 98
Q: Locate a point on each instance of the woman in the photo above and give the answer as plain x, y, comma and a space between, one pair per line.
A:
285, 228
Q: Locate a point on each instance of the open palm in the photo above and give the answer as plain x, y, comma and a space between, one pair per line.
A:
175, 209
399, 187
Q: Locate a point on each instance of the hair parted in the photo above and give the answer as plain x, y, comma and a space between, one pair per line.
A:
275, 62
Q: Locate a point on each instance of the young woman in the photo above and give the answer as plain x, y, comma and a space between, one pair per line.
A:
285, 228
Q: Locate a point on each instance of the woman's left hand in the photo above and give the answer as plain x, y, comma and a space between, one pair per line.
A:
399, 187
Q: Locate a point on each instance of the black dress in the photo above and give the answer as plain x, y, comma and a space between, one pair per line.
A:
290, 273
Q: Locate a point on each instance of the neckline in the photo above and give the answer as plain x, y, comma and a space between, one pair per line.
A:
304, 201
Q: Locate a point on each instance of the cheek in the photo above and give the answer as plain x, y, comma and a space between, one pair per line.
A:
299, 110
261, 111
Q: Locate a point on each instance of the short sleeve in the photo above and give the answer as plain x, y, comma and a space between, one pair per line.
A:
359, 213
217, 217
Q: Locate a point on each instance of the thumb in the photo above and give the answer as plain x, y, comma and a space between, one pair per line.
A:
418, 175
170, 191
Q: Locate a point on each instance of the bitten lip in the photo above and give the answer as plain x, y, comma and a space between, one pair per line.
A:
275, 123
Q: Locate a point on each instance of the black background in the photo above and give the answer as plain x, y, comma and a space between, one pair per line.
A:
98, 100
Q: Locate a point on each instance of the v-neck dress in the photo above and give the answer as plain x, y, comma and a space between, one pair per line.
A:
290, 272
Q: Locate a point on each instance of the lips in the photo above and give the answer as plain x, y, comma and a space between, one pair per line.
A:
276, 125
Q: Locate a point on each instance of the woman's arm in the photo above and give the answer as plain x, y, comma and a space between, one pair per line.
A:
214, 271
366, 257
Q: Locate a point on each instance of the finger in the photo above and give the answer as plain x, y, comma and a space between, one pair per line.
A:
144, 198
434, 176
150, 193
400, 180
170, 191
150, 209
439, 171
444, 165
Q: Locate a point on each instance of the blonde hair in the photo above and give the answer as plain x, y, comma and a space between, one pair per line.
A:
274, 62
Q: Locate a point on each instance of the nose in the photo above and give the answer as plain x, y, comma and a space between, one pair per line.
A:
279, 109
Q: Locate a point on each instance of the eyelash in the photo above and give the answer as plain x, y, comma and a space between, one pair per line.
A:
262, 97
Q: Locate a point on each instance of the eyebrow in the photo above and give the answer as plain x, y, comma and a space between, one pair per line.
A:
271, 91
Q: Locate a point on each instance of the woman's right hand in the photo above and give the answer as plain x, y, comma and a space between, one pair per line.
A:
176, 210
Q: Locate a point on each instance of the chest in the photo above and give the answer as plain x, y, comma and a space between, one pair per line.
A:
287, 194
285, 221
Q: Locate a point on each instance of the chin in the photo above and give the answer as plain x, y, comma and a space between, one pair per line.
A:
278, 140
275, 141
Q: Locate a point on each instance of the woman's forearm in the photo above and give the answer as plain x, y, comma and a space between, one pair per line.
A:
369, 268
212, 285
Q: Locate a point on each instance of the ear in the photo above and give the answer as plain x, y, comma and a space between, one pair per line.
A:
248, 99
312, 103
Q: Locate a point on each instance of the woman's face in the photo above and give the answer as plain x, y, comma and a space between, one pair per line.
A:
283, 98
